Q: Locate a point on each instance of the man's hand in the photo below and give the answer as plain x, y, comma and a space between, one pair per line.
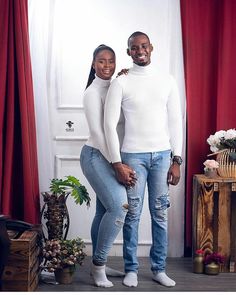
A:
125, 174
173, 175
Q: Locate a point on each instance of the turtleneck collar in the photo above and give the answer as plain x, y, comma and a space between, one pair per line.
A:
100, 82
141, 70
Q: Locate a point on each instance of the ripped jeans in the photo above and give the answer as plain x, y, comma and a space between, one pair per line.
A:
111, 202
151, 169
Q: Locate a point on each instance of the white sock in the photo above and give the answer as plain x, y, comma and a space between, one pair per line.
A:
113, 272
163, 279
131, 279
99, 276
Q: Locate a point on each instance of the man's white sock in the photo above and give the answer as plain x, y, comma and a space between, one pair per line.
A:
131, 279
99, 276
113, 272
163, 279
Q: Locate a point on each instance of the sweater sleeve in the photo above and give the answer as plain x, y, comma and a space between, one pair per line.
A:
111, 117
93, 108
175, 119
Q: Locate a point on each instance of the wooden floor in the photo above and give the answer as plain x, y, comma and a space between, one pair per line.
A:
179, 269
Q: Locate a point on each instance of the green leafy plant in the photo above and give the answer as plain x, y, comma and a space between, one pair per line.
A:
55, 211
72, 186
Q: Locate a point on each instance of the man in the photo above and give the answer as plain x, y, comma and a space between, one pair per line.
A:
152, 147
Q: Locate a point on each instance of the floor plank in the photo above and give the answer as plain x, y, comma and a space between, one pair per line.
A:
179, 269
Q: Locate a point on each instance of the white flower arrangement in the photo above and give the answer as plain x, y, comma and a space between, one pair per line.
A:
211, 165
223, 139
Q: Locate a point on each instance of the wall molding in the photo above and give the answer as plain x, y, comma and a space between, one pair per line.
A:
62, 106
70, 138
61, 158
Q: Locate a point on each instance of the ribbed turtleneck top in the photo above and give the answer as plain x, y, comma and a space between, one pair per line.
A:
151, 106
93, 101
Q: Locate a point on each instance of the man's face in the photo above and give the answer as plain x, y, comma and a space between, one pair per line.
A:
140, 50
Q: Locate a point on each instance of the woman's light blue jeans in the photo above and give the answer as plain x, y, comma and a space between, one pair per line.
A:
151, 169
111, 202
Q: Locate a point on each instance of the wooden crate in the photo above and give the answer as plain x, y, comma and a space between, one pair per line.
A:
214, 217
22, 270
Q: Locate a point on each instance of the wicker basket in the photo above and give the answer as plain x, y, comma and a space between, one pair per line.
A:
227, 167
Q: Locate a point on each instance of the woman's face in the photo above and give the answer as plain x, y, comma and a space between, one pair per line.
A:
104, 64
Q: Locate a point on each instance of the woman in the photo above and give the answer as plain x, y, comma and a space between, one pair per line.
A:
111, 201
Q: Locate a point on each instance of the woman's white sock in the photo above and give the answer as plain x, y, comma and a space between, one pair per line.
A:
131, 279
163, 279
99, 276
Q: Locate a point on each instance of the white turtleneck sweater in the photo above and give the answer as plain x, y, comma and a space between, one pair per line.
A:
151, 106
93, 102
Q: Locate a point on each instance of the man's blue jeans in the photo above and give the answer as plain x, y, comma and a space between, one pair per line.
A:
151, 169
111, 202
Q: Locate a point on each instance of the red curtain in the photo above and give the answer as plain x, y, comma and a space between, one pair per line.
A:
19, 186
209, 42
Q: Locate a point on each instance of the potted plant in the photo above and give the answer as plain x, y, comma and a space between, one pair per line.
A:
221, 140
223, 145
62, 257
55, 211
210, 168
212, 263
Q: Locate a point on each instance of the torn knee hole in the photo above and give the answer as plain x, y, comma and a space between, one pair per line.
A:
119, 222
162, 202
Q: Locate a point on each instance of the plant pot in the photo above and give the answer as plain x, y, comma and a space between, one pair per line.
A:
56, 214
210, 173
212, 268
198, 266
64, 275
227, 163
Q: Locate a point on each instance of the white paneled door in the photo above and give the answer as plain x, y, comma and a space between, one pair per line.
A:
63, 35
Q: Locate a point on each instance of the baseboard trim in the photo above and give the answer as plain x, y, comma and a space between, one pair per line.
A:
117, 249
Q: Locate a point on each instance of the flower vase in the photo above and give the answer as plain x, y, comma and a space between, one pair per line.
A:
64, 275
56, 215
198, 266
210, 173
212, 268
227, 163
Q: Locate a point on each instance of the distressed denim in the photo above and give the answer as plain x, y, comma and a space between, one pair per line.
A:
111, 202
151, 169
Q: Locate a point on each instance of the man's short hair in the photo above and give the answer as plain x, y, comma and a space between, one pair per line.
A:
135, 34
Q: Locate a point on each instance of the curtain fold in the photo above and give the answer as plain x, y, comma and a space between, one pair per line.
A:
209, 43
18, 169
